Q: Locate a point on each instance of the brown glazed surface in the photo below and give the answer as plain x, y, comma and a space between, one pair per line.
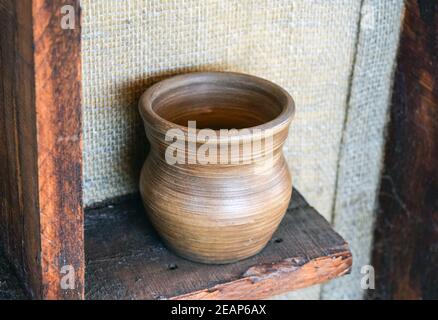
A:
216, 212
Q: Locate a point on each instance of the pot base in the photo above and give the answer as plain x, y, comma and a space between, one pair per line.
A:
199, 259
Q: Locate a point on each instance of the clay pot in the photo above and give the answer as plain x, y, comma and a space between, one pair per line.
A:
227, 207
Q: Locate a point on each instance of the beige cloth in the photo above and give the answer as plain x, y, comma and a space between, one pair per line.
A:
308, 47
361, 153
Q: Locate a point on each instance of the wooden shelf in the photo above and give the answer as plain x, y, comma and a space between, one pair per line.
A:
125, 259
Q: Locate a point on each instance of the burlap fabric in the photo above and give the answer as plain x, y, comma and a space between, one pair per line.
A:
334, 57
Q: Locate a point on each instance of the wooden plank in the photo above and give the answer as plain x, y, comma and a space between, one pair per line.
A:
41, 214
126, 259
58, 109
406, 240
19, 218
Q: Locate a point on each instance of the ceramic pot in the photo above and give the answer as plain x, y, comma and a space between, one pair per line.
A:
216, 205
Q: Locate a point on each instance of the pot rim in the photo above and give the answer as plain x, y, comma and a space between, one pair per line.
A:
161, 125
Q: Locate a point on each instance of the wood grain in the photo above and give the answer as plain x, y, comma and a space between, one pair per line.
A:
226, 209
406, 240
127, 260
41, 215
19, 187
58, 108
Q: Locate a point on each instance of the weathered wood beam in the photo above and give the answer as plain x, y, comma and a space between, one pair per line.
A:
406, 239
41, 218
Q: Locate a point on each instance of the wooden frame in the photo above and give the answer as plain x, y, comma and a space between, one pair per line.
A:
41, 215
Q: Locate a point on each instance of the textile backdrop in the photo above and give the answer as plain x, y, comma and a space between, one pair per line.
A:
336, 58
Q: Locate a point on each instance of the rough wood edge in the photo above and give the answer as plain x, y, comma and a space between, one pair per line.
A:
263, 281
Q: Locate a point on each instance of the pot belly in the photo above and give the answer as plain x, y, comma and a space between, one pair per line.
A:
215, 214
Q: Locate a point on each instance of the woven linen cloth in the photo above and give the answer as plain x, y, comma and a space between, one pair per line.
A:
361, 153
308, 47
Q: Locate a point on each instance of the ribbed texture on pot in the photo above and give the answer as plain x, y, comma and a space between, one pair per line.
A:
213, 212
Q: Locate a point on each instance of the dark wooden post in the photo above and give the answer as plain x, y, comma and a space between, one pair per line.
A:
41, 217
406, 240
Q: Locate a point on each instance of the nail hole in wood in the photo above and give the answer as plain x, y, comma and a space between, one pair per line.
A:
172, 266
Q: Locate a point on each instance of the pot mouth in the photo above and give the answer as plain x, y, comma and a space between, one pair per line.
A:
217, 101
